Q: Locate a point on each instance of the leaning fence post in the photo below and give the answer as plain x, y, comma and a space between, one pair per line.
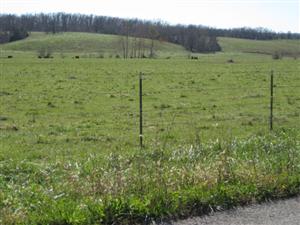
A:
141, 108
271, 101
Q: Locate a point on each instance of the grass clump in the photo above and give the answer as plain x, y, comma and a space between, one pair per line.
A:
44, 52
155, 183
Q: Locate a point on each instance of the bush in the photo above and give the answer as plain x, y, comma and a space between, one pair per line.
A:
277, 55
152, 56
45, 53
101, 56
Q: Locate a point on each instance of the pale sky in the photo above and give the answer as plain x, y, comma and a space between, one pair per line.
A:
277, 15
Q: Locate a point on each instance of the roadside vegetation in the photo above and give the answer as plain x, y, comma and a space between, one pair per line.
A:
150, 184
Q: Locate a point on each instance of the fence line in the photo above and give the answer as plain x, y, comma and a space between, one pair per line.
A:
142, 112
269, 105
151, 73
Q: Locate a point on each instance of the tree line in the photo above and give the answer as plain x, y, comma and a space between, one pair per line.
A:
254, 34
193, 38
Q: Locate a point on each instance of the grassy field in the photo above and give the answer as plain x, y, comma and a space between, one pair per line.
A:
91, 45
69, 134
285, 47
87, 45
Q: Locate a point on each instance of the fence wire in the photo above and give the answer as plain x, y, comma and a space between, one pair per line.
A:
208, 106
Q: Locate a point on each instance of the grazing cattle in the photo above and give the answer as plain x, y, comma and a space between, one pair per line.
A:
10, 56
194, 57
77, 57
230, 61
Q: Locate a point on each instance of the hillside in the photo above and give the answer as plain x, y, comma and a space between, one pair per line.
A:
96, 44
286, 47
83, 43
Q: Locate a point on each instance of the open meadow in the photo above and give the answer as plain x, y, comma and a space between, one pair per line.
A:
69, 134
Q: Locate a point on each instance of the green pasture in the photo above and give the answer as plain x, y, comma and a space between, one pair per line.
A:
269, 47
93, 104
69, 135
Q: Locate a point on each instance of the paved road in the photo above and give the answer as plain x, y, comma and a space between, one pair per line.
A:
284, 212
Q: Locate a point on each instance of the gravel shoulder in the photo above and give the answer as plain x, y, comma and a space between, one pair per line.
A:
282, 212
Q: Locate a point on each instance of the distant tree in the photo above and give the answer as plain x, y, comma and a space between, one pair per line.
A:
4, 37
133, 48
154, 35
125, 39
122, 46
17, 34
141, 48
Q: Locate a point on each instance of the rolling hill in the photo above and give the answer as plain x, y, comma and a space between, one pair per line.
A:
82, 43
111, 45
285, 47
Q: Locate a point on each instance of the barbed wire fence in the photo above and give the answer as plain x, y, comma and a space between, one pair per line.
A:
140, 109
146, 113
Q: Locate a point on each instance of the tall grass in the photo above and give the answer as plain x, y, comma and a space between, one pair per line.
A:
155, 183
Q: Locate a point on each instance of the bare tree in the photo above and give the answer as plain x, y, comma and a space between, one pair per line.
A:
153, 35
122, 46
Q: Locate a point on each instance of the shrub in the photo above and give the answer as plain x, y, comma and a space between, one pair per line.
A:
152, 55
45, 53
276, 55
101, 56
62, 55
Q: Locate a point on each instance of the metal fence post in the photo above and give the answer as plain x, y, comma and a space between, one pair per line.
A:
141, 108
271, 100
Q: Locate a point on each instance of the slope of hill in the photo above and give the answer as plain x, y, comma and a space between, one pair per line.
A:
88, 43
285, 47
91, 43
